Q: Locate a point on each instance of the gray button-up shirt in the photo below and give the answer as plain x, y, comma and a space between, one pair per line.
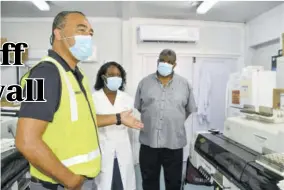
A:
164, 110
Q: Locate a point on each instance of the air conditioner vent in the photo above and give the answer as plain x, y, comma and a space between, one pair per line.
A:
167, 34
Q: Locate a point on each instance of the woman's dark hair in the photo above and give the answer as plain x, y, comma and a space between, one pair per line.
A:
102, 71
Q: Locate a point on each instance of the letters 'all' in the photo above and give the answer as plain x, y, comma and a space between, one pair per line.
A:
33, 91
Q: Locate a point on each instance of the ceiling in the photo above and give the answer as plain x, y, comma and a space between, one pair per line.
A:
227, 11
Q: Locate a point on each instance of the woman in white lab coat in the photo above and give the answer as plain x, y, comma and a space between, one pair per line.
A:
117, 172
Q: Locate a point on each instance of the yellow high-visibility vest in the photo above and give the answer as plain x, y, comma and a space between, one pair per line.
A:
72, 135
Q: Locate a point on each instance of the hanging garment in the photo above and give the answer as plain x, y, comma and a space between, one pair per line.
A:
114, 142
204, 97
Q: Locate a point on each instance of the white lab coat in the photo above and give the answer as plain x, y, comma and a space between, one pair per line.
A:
204, 97
114, 139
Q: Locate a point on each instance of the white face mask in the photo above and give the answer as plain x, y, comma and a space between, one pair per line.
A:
113, 83
165, 69
83, 47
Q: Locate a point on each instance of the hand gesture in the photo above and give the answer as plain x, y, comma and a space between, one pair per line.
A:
130, 121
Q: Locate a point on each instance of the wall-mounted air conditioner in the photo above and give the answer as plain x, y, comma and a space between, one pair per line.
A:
164, 33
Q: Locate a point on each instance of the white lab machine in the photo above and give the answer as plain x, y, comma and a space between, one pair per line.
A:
262, 137
253, 86
8, 126
250, 141
14, 167
249, 154
247, 147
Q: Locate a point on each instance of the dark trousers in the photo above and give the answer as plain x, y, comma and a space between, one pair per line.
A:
116, 177
152, 159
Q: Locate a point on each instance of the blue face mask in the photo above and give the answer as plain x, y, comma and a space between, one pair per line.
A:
82, 49
113, 83
165, 69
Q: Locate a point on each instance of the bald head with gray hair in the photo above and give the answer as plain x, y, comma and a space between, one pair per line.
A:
169, 56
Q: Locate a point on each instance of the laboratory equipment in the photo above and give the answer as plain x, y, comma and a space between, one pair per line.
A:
247, 156
14, 167
253, 86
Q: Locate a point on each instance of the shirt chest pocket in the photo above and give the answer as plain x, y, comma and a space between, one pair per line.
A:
149, 97
177, 97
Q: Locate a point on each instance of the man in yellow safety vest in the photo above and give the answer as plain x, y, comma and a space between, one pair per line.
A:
59, 137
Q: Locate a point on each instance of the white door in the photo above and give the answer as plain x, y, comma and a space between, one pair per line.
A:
219, 70
148, 65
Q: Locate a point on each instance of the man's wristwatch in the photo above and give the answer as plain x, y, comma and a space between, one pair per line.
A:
118, 119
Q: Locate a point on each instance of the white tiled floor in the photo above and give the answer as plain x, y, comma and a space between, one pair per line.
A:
187, 187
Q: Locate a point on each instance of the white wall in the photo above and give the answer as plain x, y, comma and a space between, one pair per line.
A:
263, 37
262, 55
116, 40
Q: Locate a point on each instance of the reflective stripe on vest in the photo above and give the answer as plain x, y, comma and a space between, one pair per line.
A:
72, 95
72, 136
81, 158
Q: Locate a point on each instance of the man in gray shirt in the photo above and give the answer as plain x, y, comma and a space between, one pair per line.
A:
165, 100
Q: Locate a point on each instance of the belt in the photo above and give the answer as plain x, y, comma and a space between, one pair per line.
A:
46, 184
49, 185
